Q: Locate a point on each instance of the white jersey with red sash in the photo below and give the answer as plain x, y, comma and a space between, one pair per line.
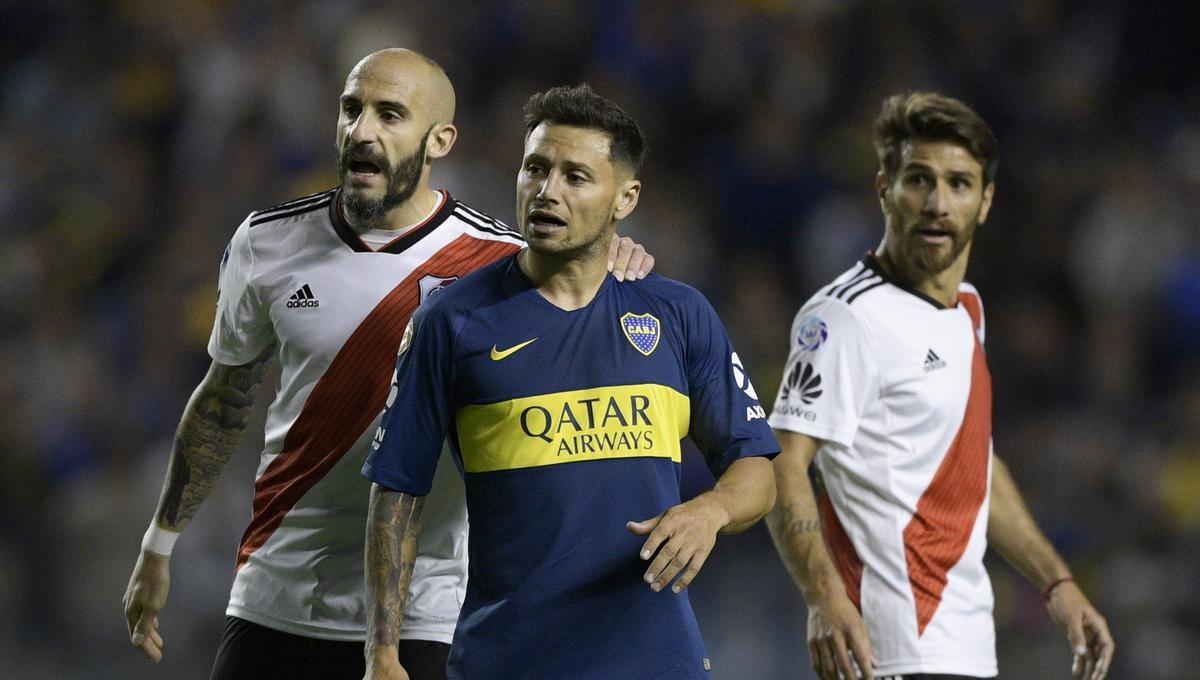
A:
297, 276
897, 388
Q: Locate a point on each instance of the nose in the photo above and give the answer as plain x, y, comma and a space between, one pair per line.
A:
935, 200
361, 129
548, 189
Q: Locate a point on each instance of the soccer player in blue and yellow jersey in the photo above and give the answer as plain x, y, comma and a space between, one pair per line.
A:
564, 398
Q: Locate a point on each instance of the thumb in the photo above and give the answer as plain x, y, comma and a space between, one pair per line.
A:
643, 527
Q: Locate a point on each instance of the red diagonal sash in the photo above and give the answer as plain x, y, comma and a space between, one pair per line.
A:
351, 393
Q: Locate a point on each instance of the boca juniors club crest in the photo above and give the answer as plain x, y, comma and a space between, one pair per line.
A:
642, 331
431, 283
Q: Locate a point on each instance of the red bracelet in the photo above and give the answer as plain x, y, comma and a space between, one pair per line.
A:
1049, 590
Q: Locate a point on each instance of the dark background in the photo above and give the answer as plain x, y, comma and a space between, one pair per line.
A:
136, 134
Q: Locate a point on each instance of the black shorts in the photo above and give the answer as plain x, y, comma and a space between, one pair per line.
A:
249, 651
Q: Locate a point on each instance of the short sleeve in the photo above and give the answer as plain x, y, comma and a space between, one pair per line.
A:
242, 328
405, 451
728, 422
831, 374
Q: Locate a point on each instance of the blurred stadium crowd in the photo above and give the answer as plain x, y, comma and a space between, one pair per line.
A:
136, 134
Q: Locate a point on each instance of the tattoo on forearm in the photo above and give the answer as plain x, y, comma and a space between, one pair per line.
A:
392, 529
208, 433
787, 522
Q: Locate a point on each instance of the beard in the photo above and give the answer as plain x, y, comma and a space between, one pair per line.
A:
364, 212
566, 252
927, 259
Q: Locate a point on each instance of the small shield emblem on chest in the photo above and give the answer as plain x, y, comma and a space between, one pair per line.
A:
642, 331
432, 283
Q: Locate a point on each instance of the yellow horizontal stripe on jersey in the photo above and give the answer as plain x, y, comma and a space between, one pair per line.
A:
622, 421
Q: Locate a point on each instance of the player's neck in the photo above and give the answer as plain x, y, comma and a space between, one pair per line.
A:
942, 286
408, 214
570, 283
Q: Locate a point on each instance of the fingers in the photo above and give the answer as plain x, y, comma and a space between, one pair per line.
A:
665, 566
675, 554
1080, 664
1101, 645
627, 259
671, 562
694, 566
146, 637
864, 656
643, 527
823, 660
842, 657
657, 535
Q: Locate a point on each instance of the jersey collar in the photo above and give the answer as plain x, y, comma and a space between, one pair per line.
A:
871, 262
401, 243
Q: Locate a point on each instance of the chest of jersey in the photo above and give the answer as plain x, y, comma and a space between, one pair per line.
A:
605, 381
926, 358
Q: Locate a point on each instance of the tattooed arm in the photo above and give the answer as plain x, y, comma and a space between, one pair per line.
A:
835, 628
393, 524
209, 431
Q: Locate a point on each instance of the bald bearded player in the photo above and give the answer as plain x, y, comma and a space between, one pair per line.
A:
327, 284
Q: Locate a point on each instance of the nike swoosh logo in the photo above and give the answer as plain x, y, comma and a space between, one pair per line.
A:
498, 354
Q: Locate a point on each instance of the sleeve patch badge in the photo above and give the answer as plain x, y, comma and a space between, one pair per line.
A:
813, 333
642, 331
804, 381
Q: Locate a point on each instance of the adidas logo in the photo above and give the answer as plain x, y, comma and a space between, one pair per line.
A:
805, 380
933, 361
303, 298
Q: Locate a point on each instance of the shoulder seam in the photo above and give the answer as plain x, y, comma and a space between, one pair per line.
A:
321, 202
295, 202
492, 226
870, 286
838, 288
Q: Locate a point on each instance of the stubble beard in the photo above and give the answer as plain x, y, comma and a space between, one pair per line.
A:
922, 259
569, 252
364, 212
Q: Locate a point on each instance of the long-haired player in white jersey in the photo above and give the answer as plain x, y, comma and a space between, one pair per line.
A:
888, 390
327, 284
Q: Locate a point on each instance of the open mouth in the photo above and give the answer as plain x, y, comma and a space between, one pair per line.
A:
934, 234
360, 167
545, 220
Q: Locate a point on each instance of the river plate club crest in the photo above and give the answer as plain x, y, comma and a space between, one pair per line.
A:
642, 331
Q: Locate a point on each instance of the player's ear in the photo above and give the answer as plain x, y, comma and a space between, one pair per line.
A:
881, 184
986, 205
440, 140
628, 198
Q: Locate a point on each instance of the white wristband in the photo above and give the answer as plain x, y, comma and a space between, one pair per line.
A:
159, 541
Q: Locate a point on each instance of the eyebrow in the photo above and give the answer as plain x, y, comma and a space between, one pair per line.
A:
568, 164
918, 165
384, 104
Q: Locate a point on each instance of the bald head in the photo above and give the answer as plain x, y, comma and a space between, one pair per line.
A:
396, 117
424, 81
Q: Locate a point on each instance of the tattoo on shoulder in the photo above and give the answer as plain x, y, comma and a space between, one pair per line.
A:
208, 433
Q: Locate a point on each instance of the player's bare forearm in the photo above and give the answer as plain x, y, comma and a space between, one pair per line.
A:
837, 636
795, 523
1014, 534
393, 524
744, 493
680, 539
208, 433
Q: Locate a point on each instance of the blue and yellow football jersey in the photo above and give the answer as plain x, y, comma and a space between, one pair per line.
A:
567, 425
